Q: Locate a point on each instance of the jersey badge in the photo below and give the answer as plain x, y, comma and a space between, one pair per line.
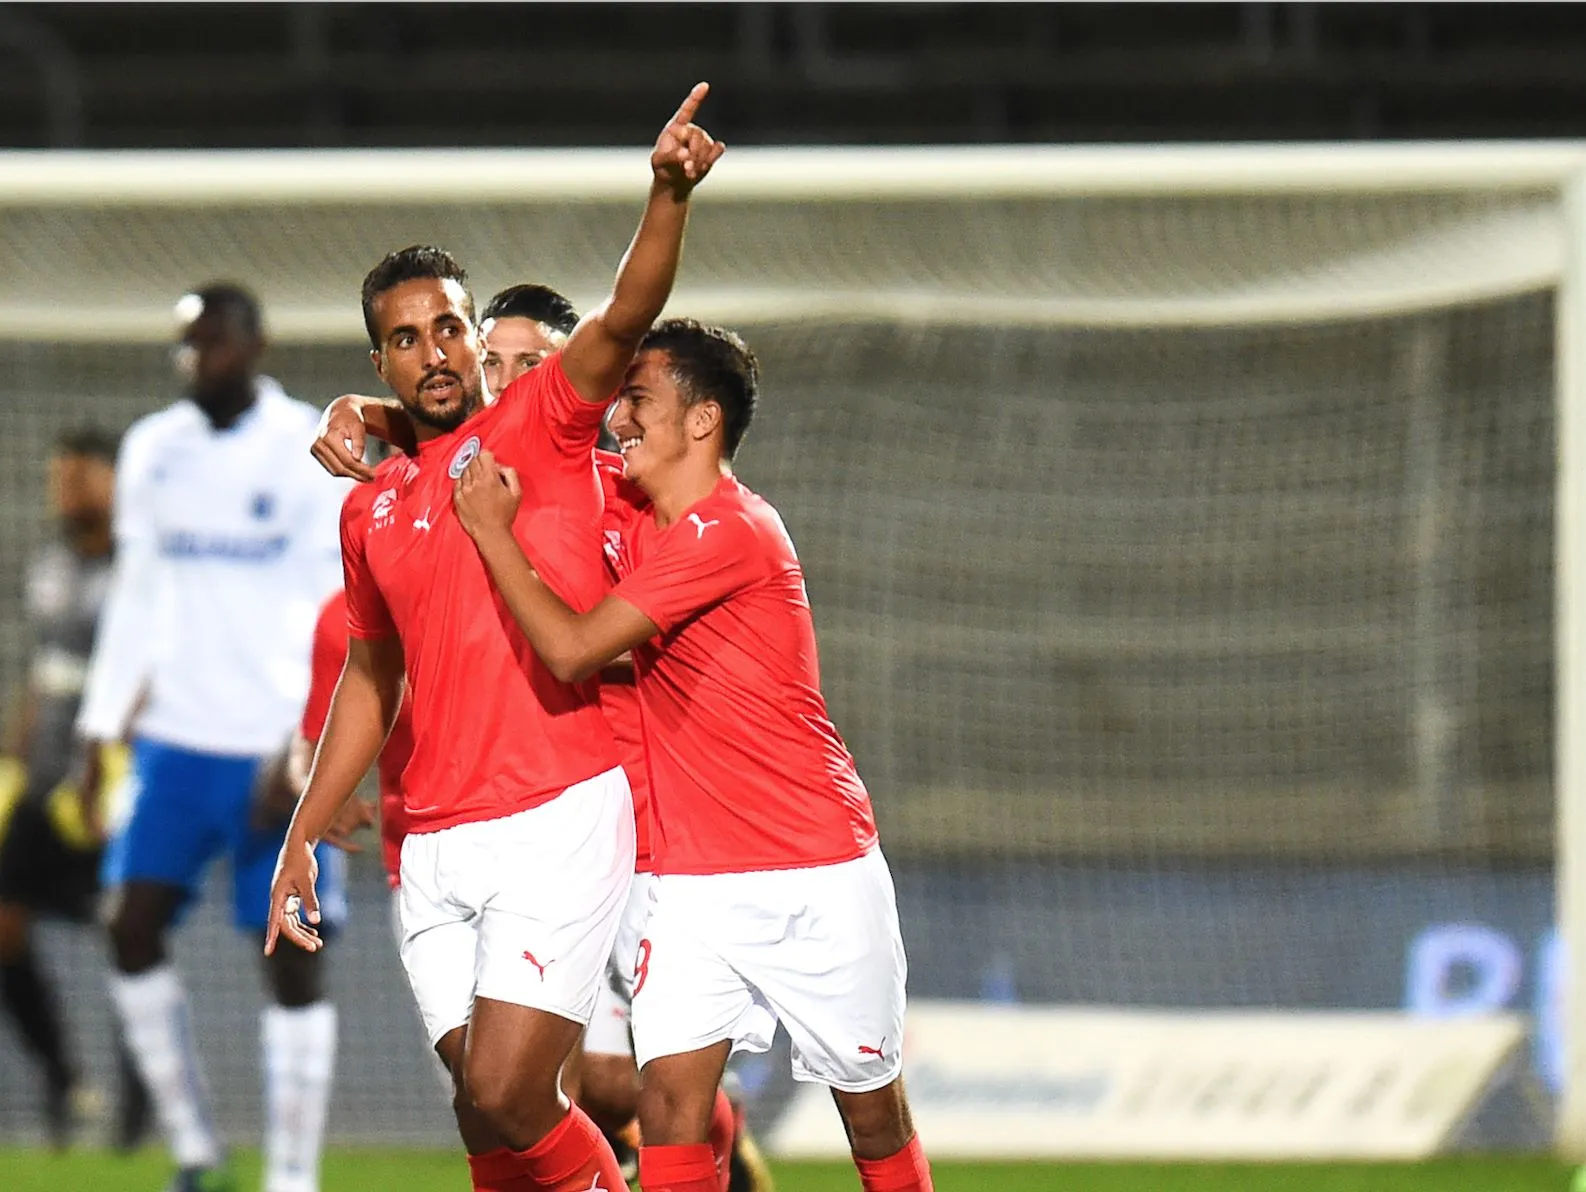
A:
464, 457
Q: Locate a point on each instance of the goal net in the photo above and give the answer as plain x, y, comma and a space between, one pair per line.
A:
1180, 528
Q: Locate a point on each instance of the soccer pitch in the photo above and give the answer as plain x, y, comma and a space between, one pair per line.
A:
395, 1170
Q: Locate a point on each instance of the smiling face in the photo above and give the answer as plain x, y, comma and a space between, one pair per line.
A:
429, 353
513, 346
652, 420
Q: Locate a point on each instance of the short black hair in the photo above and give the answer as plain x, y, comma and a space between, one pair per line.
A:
237, 302
533, 301
90, 442
711, 364
413, 263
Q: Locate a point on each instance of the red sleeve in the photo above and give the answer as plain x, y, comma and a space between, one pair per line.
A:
691, 568
367, 615
328, 657
547, 417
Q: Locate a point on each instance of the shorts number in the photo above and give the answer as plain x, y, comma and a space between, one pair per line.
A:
641, 966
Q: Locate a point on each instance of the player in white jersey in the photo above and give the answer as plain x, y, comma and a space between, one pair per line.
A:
227, 543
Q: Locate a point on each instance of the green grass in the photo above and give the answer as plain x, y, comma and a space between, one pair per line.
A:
391, 1170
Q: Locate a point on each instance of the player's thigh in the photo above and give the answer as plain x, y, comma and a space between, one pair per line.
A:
439, 944
181, 816
562, 872
837, 980
514, 1051
44, 873
686, 995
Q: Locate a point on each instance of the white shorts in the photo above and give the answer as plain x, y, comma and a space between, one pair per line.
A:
610, 1031
728, 956
521, 909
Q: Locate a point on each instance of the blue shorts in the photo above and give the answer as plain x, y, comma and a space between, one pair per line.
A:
188, 806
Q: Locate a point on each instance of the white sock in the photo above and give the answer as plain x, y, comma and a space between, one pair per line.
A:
299, 1058
159, 1033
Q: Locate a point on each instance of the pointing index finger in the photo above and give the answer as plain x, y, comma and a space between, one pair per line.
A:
690, 105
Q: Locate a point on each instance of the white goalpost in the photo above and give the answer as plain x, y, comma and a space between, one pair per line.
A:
1176, 518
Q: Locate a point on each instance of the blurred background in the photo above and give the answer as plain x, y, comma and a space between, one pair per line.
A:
1182, 554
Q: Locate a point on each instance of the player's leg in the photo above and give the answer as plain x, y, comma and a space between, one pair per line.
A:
153, 865
29, 853
560, 881
836, 982
298, 1031
691, 1007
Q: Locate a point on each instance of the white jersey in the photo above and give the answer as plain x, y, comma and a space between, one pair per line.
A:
227, 544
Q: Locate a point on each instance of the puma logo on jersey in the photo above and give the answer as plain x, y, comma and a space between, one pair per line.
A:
700, 526
422, 521
878, 1052
529, 956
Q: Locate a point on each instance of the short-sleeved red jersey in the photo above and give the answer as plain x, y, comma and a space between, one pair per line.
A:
620, 699
494, 732
747, 770
328, 657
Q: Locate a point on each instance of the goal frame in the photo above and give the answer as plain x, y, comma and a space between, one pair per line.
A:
805, 175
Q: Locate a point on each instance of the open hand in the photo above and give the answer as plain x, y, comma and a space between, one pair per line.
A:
487, 497
292, 890
684, 152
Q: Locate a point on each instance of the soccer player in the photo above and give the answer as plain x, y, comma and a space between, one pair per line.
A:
48, 866
523, 325
520, 846
772, 901
226, 546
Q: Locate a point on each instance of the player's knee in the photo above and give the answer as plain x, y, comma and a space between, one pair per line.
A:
296, 977
671, 1114
879, 1123
610, 1090
135, 940
518, 1105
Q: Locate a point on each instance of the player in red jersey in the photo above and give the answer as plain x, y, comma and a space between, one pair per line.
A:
520, 845
523, 325
772, 901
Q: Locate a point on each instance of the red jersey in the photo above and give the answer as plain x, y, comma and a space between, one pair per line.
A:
620, 699
328, 657
748, 771
494, 732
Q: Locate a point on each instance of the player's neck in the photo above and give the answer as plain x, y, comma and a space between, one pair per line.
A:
684, 485
224, 406
89, 540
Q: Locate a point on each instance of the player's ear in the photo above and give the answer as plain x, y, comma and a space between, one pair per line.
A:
703, 419
377, 358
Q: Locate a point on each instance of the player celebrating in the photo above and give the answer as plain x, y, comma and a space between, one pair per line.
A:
225, 547
520, 845
523, 325
772, 900
45, 866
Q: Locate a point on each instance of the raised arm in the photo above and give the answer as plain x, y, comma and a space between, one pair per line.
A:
361, 714
602, 345
572, 645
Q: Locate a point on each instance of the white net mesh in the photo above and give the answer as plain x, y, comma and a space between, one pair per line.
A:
1182, 565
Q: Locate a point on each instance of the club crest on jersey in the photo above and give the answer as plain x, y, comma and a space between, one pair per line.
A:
383, 507
464, 457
